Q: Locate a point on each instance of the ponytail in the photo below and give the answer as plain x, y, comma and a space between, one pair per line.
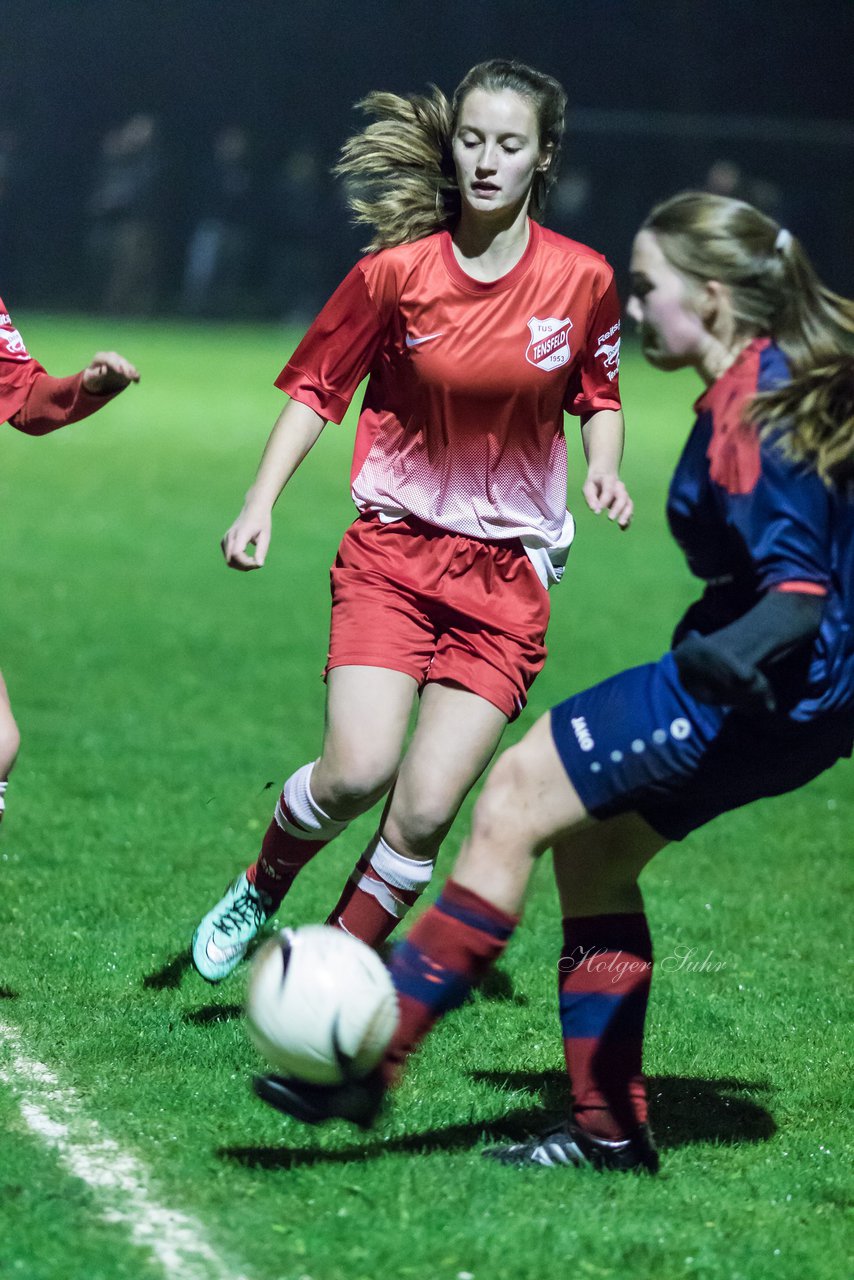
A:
812, 419
813, 325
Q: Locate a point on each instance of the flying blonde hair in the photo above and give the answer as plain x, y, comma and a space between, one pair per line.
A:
400, 171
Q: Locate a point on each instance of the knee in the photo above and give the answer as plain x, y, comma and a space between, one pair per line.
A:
418, 824
347, 788
10, 742
507, 808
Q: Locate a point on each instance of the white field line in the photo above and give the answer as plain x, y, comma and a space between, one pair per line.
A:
119, 1180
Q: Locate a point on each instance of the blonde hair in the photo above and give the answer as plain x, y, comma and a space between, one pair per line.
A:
400, 171
812, 419
775, 292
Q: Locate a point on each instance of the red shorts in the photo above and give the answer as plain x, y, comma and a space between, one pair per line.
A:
439, 606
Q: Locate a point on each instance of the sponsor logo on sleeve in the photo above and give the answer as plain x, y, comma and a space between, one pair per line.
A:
11, 343
608, 347
549, 345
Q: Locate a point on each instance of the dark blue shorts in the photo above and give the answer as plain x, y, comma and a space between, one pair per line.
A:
638, 742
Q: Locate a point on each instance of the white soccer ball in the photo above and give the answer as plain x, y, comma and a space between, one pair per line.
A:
321, 1005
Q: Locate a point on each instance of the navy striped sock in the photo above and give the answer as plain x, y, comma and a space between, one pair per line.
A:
447, 952
605, 976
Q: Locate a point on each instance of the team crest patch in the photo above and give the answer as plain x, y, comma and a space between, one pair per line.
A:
549, 345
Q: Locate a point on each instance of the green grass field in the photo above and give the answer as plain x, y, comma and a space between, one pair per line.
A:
162, 700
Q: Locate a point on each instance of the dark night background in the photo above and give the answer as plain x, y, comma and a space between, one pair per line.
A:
658, 92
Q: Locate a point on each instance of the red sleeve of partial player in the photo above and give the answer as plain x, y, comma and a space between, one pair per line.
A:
337, 352
595, 383
18, 369
52, 403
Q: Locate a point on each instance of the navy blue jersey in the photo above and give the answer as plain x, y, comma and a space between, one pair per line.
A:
749, 519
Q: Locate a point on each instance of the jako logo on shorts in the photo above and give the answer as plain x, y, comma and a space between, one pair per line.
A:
582, 733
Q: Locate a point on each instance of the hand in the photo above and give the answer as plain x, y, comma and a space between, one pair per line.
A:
713, 675
605, 491
252, 528
108, 372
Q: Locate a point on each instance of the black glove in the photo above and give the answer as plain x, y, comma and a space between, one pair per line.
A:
724, 668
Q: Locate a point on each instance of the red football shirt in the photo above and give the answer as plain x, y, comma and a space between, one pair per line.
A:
31, 399
18, 369
462, 420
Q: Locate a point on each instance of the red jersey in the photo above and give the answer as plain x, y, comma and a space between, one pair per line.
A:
30, 398
18, 369
462, 420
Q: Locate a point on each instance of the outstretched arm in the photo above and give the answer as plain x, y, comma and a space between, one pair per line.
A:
297, 429
52, 403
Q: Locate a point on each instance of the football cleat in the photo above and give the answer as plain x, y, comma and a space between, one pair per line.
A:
220, 942
358, 1101
569, 1145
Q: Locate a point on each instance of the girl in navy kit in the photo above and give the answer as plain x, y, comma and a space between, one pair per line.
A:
755, 698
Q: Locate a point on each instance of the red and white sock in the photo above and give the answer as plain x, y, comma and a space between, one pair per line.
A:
384, 885
299, 829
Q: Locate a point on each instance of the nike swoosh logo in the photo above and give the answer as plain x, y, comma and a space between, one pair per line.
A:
416, 342
219, 954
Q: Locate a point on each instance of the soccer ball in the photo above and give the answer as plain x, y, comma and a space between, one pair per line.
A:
321, 1005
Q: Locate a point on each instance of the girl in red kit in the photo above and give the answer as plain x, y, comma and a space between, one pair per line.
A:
36, 403
477, 328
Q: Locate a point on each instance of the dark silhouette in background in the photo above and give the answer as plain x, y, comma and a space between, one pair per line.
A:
126, 214
297, 276
9, 141
726, 178
268, 95
219, 254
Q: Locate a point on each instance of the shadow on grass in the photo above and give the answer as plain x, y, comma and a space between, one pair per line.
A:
6, 993
685, 1110
497, 988
455, 1137
169, 976
212, 1013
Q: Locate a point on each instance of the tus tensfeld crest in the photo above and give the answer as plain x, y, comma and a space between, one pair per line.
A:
549, 345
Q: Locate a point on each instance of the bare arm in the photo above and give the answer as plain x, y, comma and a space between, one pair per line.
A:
297, 429
603, 433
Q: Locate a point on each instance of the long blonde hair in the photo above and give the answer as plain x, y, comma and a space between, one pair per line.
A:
399, 169
812, 419
775, 292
